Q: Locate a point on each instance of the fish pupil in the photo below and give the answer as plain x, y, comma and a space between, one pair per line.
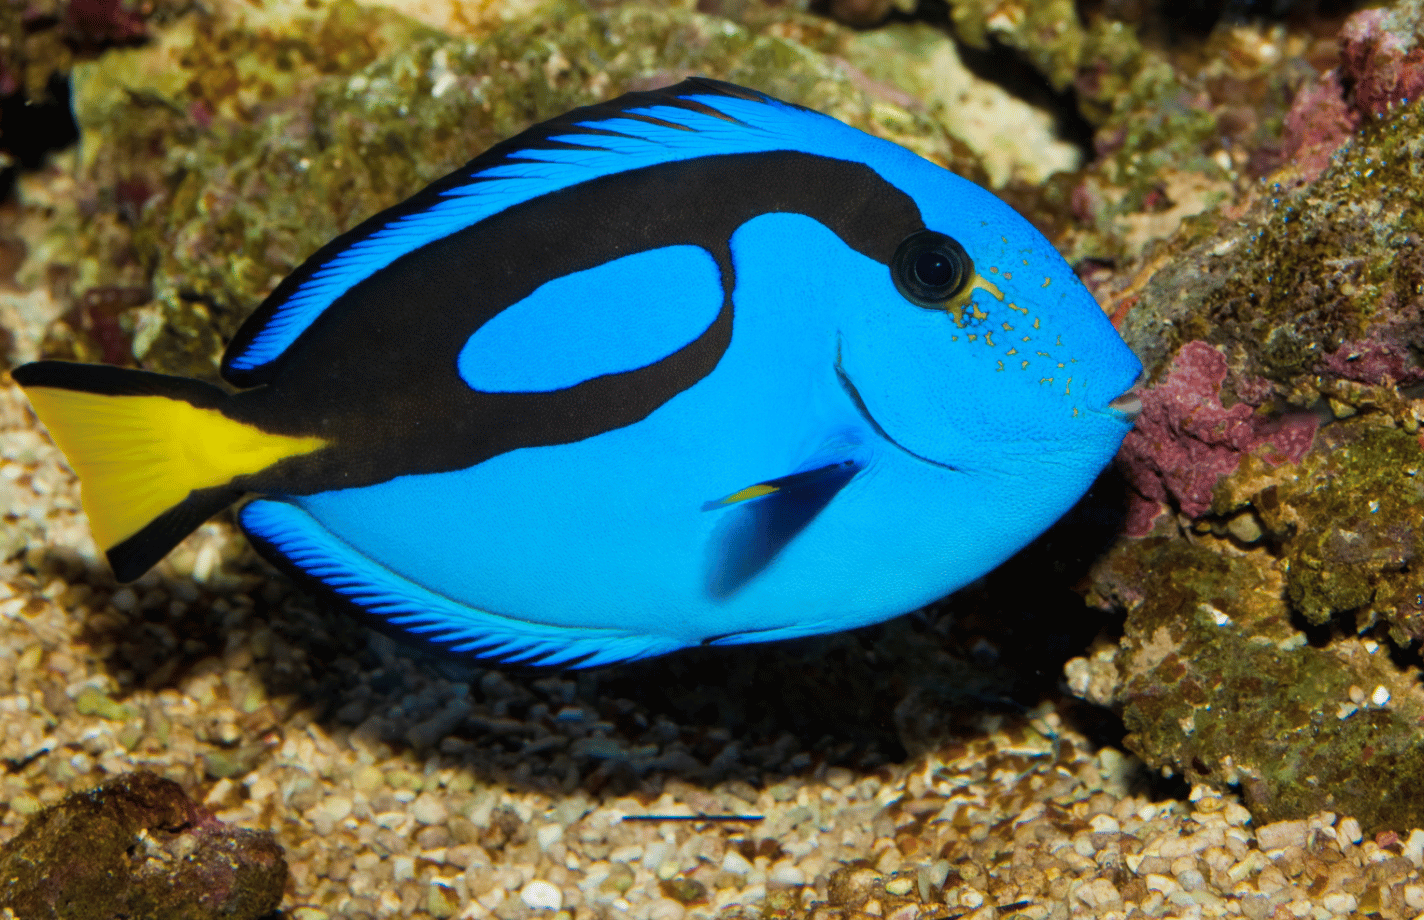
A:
930, 268
933, 269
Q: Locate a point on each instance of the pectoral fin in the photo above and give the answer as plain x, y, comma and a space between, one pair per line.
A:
763, 518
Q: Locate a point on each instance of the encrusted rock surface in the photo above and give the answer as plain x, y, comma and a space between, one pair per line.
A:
1274, 601
1266, 610
137, 846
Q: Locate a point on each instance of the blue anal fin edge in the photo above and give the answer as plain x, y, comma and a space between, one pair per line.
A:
762, 519
286, 533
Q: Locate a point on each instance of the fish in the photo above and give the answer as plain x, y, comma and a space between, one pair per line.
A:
690, 367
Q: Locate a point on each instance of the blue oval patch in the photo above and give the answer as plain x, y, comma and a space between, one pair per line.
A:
620, 316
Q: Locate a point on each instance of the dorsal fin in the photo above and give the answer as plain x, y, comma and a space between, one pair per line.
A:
695, 118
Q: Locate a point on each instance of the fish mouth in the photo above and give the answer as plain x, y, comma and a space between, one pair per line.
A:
864, 410
1128, 405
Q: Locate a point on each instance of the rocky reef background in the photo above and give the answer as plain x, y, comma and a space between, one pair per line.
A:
1235, 610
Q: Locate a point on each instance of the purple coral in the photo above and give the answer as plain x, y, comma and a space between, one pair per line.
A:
100, 23
1384, 63
1381, 358
1318, 123
1186, 440
1380, 63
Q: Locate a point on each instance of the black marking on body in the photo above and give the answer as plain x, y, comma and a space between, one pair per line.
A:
377, 375
108, 380
537, 137
135, 555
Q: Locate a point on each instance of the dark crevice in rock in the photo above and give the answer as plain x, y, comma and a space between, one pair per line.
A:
31, 130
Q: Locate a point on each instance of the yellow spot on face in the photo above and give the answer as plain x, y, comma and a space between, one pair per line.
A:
1045, 380
1001, 365
956, 306
1023, 310
1035, 322
1059, 341
1046, 282
978, 313
1009, 275
1061, 364
973, 337
994, 269
984, 284
989, 338
1013, 351
1075, 411
1026, 339
1044, 354
1068, 388
1006, 327
1023, 366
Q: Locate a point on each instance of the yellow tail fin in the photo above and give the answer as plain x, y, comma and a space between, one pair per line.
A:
143, 454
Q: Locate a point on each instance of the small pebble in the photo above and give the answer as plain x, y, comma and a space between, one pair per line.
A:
1281, 834
427, 809
540, 895
1340, 902
548, 835
735, 863
665, 909
899, 886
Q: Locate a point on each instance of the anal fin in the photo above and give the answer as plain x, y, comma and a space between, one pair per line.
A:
292, 539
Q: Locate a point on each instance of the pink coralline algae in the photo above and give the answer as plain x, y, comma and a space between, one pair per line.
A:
1186, 440
1384, 63
1382, 358
1318, 122
1380, 63
99, 23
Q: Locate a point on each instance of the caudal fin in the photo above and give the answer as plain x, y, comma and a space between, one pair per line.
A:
156, 456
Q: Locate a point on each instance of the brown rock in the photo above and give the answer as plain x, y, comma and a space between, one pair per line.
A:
137, 846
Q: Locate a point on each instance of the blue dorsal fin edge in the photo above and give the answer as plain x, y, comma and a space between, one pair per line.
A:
290, 537
695, 118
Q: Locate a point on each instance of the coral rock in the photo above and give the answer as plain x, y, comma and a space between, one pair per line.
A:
137, 846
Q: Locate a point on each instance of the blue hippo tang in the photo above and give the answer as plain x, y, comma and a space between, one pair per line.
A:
694, 366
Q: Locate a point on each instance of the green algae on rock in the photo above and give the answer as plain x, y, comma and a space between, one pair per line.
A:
233, 144
1047, 32
1364, 480
220, 168
1215, 683
138, 847
1273, 606
1015, 139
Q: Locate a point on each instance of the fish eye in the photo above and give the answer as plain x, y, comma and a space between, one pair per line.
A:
929, 268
